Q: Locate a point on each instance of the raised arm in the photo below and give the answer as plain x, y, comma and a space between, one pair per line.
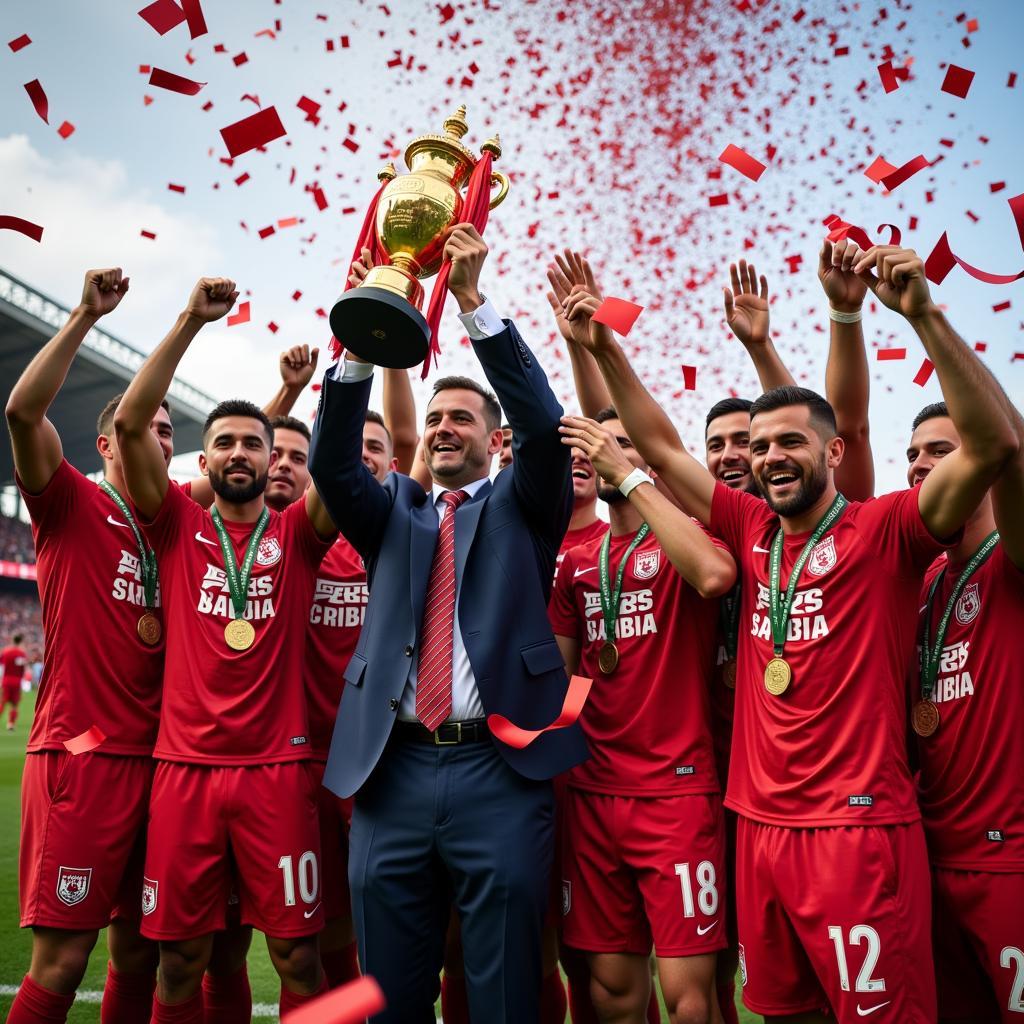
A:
710, 570
145, 472
296, 366
34, 439
746, 313
400, 418
955, 487
653, 433
1008, 493
847, 379
564, 273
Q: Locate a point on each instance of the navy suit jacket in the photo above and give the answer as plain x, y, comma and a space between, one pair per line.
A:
506, 540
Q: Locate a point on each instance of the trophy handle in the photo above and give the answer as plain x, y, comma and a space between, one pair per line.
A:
497, 178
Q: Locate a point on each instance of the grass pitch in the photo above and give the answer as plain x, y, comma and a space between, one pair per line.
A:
15, 944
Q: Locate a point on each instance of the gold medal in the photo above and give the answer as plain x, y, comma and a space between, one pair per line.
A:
925, 717
777, 676
239, 634
729, 673
149, 629
608, 658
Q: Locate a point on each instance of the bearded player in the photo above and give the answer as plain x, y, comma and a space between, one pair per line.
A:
13, 662
819, 772
83, 816
233, 747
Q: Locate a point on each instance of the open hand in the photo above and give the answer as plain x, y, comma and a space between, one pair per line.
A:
746, 311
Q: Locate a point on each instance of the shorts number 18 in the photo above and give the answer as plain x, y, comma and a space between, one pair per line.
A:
707, 892
309, 882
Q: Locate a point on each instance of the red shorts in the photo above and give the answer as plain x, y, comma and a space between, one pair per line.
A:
638, 869
83, 829
335, 818
978, 930
12, 692
266, 817
836, 918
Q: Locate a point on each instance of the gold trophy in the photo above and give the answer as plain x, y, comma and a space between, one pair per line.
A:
380, 319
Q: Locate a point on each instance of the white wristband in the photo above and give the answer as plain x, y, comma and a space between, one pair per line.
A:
844, 318
637, 477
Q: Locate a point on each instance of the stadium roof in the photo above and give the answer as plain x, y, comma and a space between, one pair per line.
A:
28, 319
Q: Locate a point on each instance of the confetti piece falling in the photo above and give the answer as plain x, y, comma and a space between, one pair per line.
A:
742, 162
689, 378
19, 44
886, 354
252, 132
86, 741
162, 16
517, 738
39, 101
174, 83
957, 81
350, 1004
239, 317
618, 314
66, 129
923, 375
24, 227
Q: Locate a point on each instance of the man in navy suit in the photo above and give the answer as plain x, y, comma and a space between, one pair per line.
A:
456, 629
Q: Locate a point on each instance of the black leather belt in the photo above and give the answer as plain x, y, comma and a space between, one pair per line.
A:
447, 734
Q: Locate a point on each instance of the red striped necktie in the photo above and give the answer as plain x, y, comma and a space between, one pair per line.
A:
434, 678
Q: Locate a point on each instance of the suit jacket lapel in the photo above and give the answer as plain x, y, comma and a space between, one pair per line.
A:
422, 542
467, 519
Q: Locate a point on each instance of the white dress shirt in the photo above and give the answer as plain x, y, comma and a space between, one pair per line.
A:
482, 323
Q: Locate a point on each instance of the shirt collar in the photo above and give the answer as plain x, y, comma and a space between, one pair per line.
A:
470, 489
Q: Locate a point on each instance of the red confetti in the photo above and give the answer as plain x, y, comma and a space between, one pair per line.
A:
689, 378
1000, 306
288, 222
981, 346
719, 200
1012, 80
242, 178
742, 162
908, 170
267, 231
84, 742
942, 258
176, 188
879, 170
253, 132
997, 186
350, 1004
66, 129
885, 354
39, 100
310, 108
618, 314
351, 145
240, 58
890, 83
162, 16
924, 373
19, 44
240, 317
24, 227
296, 295
272, 327
148, 234
174, 83
518, 738
957, 81
194, 17
320, 199
794, 263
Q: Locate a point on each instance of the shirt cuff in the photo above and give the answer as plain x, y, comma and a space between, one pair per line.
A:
352, 372
483, 322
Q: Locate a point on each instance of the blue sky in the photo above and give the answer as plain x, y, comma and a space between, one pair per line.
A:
609, 138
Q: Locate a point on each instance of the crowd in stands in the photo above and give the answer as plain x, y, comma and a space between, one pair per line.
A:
16, 541
20, 614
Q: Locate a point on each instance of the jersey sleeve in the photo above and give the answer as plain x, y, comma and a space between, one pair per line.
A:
892, 527
56, 501
172, 518
296, 524
736, 516
562, 606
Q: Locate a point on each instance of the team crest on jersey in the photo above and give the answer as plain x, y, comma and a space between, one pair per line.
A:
823, 557
646, 564
149, 892
269, 551
566, 897
969, 604
73, 884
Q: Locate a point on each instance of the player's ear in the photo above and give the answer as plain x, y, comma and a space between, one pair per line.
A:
834, 450
104, 447
494, 441
204, 466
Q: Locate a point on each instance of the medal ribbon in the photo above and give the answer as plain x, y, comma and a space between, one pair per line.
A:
238, 579
147, 556
610, 601
780, 606
729, 620
932, 655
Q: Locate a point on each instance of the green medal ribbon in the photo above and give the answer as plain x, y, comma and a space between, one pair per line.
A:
610, 601
729, 620
238, 579
932, 655
147, 556
780, 607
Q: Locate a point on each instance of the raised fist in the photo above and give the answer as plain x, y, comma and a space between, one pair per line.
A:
896, 276
212, 298
102, 291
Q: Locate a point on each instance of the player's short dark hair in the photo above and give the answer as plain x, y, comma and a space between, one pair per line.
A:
105, 420
726, 407
823, 416
238, 407
372, 416
291, 423
929, 412
18, 638
492, 411
608, 413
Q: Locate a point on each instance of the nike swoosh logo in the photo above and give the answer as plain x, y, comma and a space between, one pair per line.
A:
200, 537
580, 572
307, 914
760, 550
114, 522
703, 930
871, 1009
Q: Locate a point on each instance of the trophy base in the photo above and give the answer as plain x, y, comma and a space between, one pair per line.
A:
381, 327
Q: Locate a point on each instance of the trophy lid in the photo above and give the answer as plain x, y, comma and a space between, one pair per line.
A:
455, 127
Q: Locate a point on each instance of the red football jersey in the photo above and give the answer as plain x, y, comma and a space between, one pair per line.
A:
723, 704
223, 706
13, 660
648, 723
96, 670
335, 619
573, 538
832, 749
972, 798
